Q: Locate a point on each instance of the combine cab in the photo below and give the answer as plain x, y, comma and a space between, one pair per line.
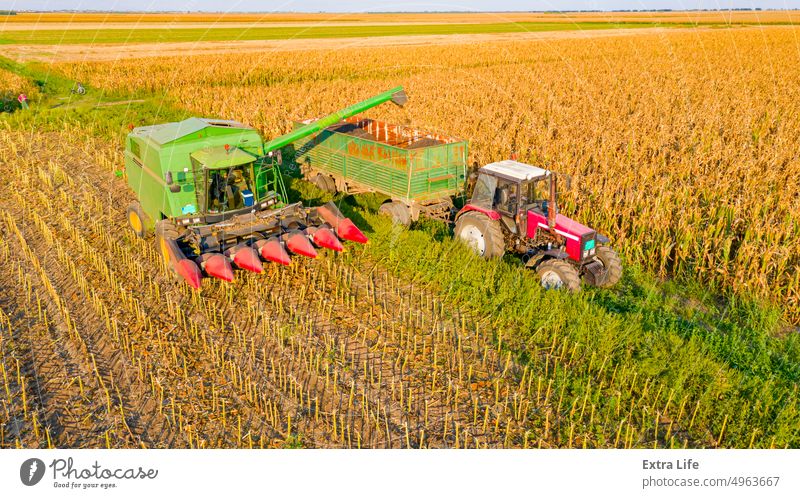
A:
212, 192
514, 208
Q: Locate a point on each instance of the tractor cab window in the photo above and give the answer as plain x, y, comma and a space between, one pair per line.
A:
506, 197
230, 189
535, 193
483, 195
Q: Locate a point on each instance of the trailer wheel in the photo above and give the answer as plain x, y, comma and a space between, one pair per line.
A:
165, 229
612, 264
558, 274
136, 219
397, 211
481, 233
324, 183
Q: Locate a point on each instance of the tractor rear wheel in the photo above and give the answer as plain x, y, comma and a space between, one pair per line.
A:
397, 211
481, 233
165, 229
136, 219
324, 183
612, 264
558, 274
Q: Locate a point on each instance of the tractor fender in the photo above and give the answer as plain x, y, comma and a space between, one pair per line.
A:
472, 207
534, 260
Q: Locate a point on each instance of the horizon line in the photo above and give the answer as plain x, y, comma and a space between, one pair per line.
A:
560, 11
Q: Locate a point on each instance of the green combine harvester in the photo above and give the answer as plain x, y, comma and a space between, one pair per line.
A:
212, 192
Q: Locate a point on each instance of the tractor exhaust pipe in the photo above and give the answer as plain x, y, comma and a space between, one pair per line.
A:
552, 206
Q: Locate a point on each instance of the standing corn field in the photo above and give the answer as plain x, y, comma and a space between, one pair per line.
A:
685, 156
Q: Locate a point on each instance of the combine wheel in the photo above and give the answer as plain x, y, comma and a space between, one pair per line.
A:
558, 274
325, 183
136, 219
481, 233
612, 263
397, 211
165, 229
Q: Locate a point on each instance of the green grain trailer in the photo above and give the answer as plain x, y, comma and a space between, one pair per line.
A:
419, 172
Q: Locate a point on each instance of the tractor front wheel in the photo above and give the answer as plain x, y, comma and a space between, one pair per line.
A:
136, 219
559, 274
397, 211
612, 264
481, 233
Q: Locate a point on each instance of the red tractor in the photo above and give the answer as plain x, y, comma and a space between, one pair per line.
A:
514, 208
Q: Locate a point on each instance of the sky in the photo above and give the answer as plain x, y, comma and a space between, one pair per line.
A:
384, 5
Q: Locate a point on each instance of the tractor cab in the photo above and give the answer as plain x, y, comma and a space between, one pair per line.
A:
227, 182
511, 189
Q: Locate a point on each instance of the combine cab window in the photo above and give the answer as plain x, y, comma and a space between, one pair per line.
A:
230, 189
224, 189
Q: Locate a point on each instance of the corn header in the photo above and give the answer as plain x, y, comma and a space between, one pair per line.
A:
212, 192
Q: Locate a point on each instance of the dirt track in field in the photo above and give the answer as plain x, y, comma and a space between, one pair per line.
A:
110, 52
328, 353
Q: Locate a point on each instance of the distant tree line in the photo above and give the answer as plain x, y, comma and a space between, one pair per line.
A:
7, 13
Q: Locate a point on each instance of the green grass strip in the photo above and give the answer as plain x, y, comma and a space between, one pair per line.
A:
84, 36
